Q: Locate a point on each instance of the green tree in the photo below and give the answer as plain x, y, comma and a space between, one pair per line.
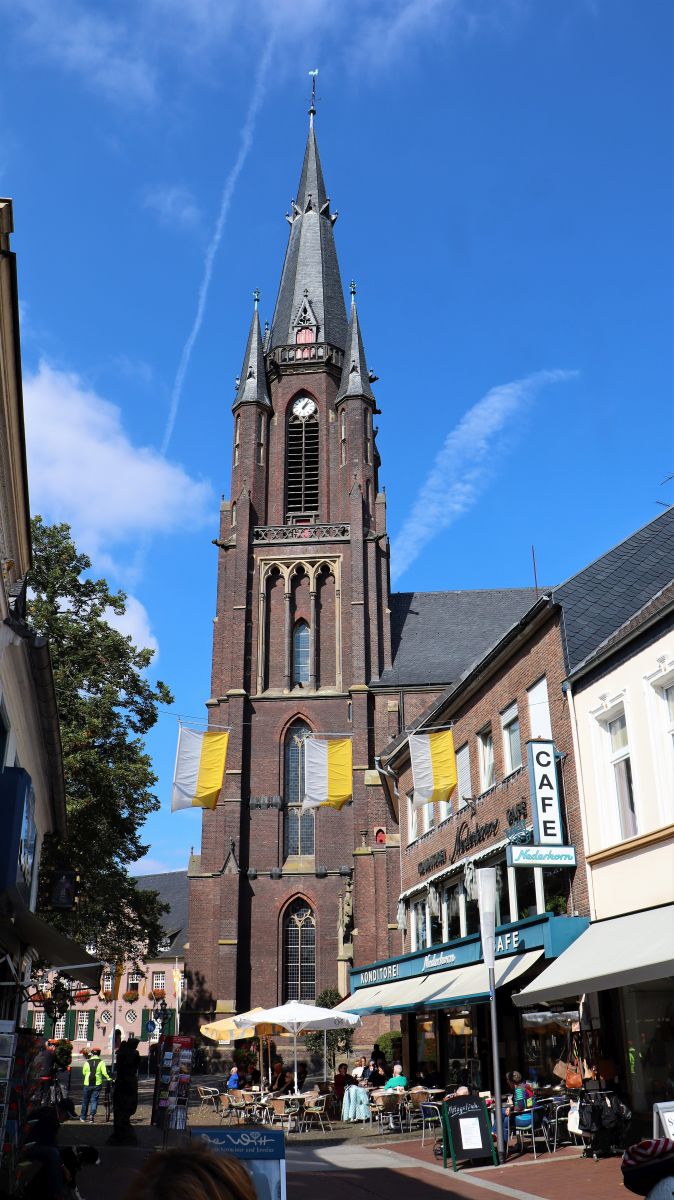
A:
339, 1041
106, 706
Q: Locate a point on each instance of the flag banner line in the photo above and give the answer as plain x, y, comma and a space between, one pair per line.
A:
199, 769
433, 766
328, 772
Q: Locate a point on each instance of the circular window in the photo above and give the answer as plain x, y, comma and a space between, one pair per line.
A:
106, 1016
131, 1016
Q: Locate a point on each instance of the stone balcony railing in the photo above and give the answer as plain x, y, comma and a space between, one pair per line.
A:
337, 531
307, 352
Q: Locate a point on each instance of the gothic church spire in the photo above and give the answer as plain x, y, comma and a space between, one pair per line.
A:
311, 288
355, 379
251, 387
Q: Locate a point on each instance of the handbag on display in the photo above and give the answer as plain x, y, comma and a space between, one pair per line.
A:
560, 1068
574, 1079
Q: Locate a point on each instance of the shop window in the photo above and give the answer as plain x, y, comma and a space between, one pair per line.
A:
485, 742
512, 749
539, 710
299, 952
427, 1042
526, 892
648, 1043
472, 914
452, 906
298, 826
556, 888
418, 921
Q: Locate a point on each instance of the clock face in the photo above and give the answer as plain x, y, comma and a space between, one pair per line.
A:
304, 407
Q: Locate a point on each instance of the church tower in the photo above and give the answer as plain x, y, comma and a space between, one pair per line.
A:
280, 900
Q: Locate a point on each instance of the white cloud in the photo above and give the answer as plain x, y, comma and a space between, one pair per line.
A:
131, 57
174, 205
134, 623
84, 469
467, 461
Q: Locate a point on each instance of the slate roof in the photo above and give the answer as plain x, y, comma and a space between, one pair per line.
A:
172, 888
355, 379
598, 600
311, 265
436, 636
252, 387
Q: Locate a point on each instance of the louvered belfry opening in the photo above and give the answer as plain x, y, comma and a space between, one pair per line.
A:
302, 468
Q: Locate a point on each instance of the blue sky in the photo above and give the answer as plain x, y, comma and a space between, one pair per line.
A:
503, 170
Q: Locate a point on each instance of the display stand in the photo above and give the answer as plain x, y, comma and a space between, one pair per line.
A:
263, 1151
466, 1131
172, 1083
19, 1081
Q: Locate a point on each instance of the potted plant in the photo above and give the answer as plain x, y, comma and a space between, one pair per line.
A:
157, 994
106, 995
130, 997
81, 997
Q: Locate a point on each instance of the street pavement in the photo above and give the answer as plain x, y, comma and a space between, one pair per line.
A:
362, 1168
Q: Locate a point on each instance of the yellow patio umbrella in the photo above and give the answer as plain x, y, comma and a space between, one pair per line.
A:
226, 1030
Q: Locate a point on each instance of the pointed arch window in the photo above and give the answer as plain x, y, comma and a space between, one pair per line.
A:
298, 826
237, 438
342, 437
299, 952
302, 460
260, 437
301, 650
233, 512
303, 336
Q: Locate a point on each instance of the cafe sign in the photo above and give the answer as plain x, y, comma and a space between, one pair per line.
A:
541, 856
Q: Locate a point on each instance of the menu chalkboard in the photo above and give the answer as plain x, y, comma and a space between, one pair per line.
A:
466, 1130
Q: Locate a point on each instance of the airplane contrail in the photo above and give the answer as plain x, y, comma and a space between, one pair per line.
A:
246, 137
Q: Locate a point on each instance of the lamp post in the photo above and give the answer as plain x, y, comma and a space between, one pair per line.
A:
486, 896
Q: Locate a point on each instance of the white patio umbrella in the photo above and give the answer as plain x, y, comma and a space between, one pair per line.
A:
298, 1018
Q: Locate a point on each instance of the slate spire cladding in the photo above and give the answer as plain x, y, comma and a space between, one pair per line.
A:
311, 291
355, 375
251, 387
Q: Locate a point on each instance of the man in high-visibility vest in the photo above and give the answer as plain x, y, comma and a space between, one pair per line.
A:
94, 1071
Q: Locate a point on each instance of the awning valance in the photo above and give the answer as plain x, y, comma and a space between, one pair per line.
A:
617, 952
52, 946
441, 989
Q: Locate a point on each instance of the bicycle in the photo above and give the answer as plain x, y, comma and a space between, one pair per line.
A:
107, 1099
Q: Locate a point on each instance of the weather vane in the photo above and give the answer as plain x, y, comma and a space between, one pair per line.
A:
312, 110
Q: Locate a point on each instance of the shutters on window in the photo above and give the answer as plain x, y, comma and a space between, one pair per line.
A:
70, 1025
143, 1024
90, 1029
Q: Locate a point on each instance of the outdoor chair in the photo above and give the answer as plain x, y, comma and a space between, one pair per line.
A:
285, 1109
209, 1096
533, 1125
417, 1097
316, 1111
389, 1110
430, 1115
237, 1105
558, 1127
225, 1107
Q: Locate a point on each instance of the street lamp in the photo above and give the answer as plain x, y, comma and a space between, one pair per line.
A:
486, 898
160, 1013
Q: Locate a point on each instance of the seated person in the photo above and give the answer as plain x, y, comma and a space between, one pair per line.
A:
460, 1091
277, 1074
302, 1076
523, 1095
287, 1087
342, 1078
397, 1080
376, 1077
356, 1103
359, 1068
233, 1080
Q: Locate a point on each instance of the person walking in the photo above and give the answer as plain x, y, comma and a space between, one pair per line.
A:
94, 1072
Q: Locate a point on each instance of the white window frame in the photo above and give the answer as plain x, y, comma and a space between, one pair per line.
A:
421, 901
82, 1025
461, 796
427, 818
661, 731
606, 761
59, 1028
106, 982
539, 721
39, 1018
159, 987
412, 821
134, 980
482, 735
509, 717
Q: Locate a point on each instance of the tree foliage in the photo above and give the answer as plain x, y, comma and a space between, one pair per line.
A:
106, 706
339, 1041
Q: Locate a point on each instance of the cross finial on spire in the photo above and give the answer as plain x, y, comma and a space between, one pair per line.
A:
352, 289
256, 297
312, 110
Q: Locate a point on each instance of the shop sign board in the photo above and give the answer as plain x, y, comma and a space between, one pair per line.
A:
261, 1148
541, 856
547, 814
466, 1131
663, 1119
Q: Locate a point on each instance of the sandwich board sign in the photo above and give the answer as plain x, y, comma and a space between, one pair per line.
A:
663, 1120
466, 1131
261, 1149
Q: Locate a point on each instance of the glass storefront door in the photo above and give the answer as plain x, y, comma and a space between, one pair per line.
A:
648, 1013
